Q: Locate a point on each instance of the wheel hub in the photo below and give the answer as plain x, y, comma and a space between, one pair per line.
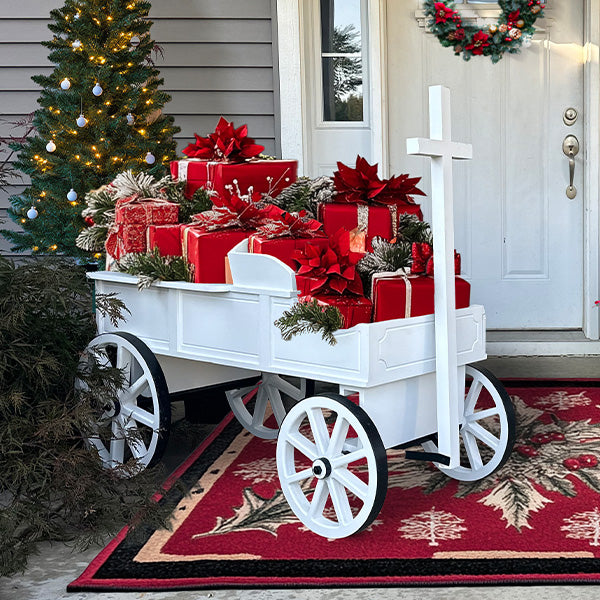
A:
112, 409
321, 468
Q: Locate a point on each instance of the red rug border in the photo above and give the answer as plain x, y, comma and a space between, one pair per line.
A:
85, 581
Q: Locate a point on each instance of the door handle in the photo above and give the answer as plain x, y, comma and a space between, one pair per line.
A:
571, 150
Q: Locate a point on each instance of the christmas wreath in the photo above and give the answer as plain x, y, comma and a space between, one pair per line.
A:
515, 26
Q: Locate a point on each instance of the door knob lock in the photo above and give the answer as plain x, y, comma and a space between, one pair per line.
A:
571, 150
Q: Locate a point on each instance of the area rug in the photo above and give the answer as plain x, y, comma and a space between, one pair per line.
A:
536, 521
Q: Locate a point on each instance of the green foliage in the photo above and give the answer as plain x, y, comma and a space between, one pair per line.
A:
387, 257
88, 157
411, 230
51, 486
310, 317
198, 203
151, 267
304, 194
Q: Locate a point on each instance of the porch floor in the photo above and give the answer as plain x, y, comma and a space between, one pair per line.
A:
49, 573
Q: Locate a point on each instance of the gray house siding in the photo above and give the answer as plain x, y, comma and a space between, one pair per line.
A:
220, 58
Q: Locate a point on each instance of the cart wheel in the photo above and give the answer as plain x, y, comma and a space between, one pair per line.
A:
142, 409
487, 431
268, 391
332, 465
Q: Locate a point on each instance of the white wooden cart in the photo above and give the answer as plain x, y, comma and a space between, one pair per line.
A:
331, 451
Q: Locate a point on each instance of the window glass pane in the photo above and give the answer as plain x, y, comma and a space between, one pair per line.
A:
342, 60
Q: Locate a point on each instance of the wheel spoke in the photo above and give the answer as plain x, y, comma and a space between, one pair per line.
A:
135, 388
276, 404
135, 443
484, 435
117, 444
317, 504
124, 362
338, 436
299, 476
319, 429
340, 501
345, 459
472, 450
260, 407
472, 396
483, 414
103, 453
142, 416
288, 389
350, 481
304, 445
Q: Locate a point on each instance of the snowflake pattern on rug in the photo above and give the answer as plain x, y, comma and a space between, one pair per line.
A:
433, 525
543, 461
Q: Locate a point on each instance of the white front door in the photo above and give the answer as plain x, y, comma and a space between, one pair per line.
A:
338, 113
520, 236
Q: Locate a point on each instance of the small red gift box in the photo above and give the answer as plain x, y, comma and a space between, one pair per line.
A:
398, 296
264, 176
354, 309
167, 238
283, 248
125, 239
146, 211
376, 221
206, 251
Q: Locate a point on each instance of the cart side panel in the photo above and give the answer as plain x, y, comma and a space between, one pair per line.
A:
406, 347
308, 355
149, 317
220, 328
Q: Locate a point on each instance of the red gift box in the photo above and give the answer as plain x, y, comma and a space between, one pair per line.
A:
167, 238
125, 239
206, 251
376, 221
399, 296
283, 248
264, 176
354, 309
146, 211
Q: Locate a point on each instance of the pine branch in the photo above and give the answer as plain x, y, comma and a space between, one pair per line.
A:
385, 258
304, 194
109, 305
310, 317
92, 239
411, 230
199, 202
152, 267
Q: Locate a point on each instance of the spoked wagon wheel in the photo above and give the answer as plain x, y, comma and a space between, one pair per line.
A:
487, 429
140, 416
332, 465
267, 392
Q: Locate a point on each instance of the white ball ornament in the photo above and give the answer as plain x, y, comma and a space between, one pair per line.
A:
135, 41
51, 146
150, 158
97, 90
76, 16
130, 119
72, 195
81, 121
65, 84
32, 213
76, 44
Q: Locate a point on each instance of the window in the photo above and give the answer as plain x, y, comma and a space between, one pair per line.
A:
342, 59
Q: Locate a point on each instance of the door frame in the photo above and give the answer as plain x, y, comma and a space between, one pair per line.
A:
294, 135
291, 16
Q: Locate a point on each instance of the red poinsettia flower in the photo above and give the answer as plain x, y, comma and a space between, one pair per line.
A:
332, 269
226, 143
513, 16
232, 210
358, 185
400, 189
287, 224
480, 41
442, 12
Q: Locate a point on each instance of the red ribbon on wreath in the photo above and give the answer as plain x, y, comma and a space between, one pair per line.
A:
226, 143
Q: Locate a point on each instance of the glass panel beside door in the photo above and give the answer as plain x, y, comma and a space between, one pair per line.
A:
342, 60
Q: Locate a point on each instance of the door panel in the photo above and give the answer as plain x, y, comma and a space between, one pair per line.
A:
520, 236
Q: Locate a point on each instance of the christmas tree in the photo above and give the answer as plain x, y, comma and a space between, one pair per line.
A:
100, 114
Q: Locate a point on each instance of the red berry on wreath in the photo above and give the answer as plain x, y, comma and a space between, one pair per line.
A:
528, 451
540, 438
557, 436
88, 221
572, 464
587, 460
